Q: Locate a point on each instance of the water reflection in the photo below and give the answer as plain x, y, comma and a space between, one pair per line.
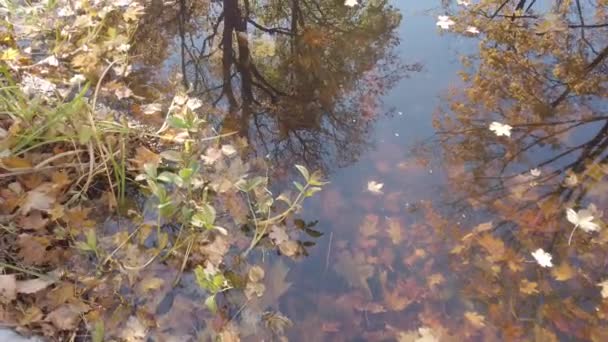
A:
301, 80
542, 70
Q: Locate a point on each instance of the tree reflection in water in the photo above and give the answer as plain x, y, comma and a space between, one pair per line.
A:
301, 80
541, 68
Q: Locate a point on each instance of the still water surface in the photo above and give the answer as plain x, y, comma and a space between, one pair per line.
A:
443, 250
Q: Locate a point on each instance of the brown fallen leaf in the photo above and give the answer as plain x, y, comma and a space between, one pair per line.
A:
11, 163
276, 286
67, 316
395, 232
134, 330
33, 221
563, 272
528, 287
8, 287
33, 285
289, 248
39, 198
32, 249
355, 271
476, 319
369, 226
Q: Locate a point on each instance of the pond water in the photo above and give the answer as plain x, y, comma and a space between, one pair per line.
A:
430, 218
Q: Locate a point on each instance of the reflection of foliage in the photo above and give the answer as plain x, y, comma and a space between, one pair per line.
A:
297, 78
543, 72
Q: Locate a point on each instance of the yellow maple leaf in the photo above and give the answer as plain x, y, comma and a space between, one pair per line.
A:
9, 54
528, 287
563, 272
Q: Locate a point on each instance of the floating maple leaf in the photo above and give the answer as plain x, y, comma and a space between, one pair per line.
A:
604, 286
444, 22
583, 219
194, 104
543, 258
500, 129
351, 3
464, 3
374, 187
472, 30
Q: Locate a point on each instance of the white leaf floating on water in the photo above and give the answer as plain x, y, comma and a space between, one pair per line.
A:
472, 29
500, 129
444, 22
542, 258
535, 172
604, 286
583, 218
351, 3
374, 187
194, 103
465, 3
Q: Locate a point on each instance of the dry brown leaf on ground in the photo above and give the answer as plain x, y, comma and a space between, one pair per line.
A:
33, 221
40, 198
8, 287
67, 316
33, 285
32, 249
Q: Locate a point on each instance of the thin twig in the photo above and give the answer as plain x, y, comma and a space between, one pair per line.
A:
331, 237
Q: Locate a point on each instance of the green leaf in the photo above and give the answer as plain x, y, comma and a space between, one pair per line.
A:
150, 170
284, 198
97, 334
176, 122
299, 186
315, 179
170, 155
313, 233
167, 177
186, 173
84, 134
303, 171
311, 191
200, 277
299, 223
211, 304
204, 217
91, 239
